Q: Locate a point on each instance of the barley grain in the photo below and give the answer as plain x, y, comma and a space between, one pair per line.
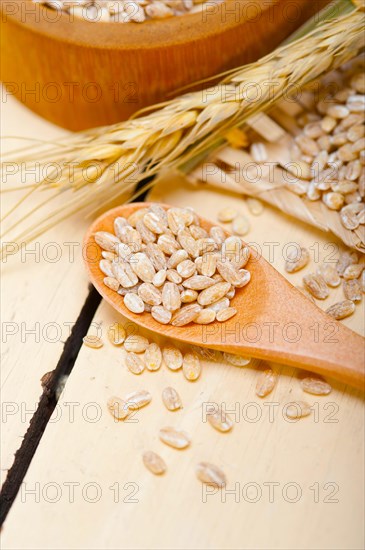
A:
205, 317
159, 278
108, 255
213, 293
225, 314
227, 214
172, 357
106, 240
134, 289
352, 290
119, 223
240, 259
219, 419
161, 315
157, 257
297, 409
133, 302
117, 408
171, 296
266, 383
150, 294
229, 273
136, 343
186, 269
208, 354
328, 124
220, 305
191, 366
217, 234
135, 363
188, 296
160, 212
137, 216
255, 206
106, 267
116, 334
245, 278
143, 267
138, 399
334, 201
198, 232
330, 275
316, 285
154, 463
231, 293
188, 243
296, 259
179, 219
173, 276
171, 399
176, 258
146, 234
174, 438
153, 357
232, 246
111, 282
153, 222
346, 258
131, 237
236, 360
353, 271
315, 386
168, 244
92, 341
338, 111
210, 474
124, 273
240, 225
198, 282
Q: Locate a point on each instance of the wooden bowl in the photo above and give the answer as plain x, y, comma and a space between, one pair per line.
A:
79, 74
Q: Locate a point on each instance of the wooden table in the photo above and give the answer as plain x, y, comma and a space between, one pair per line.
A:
290, 485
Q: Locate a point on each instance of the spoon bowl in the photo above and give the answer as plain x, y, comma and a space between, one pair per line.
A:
275, 321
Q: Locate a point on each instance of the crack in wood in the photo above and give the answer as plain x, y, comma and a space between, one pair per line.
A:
49, 397
46, 405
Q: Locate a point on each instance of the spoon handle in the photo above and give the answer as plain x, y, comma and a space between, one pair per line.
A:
314, 342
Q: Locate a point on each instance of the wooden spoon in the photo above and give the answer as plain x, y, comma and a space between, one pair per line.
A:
274, 320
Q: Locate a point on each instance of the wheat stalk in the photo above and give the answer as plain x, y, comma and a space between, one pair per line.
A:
115, 158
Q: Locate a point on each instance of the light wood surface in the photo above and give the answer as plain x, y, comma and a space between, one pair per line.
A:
80, 75
321, 457
268, 300
42, 292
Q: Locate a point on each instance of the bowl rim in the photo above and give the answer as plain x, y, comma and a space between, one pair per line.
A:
107, 35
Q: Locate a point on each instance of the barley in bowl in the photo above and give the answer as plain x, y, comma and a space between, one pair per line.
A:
124, 11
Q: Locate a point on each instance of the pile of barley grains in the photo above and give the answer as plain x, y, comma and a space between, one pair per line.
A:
240, 225
330, 150
164, 263
124, 11
349, 269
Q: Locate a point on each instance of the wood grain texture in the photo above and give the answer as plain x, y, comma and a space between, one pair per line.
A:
42, 291
46, 405
321, 457
81, 75
274, 320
